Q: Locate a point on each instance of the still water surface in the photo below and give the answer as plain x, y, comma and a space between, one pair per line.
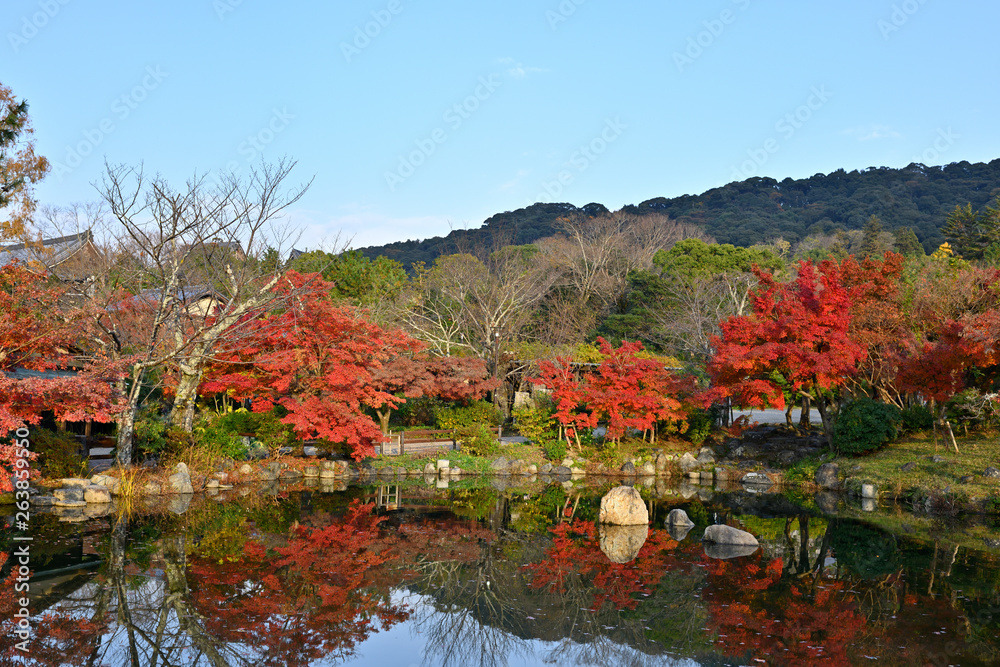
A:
480, 576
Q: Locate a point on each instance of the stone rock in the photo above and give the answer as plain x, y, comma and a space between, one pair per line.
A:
70, 493
73, 482
937, 458
621, 544
180, 481
327, 474
430, 469
577, 472
42, 501
517, 467
211, 483
443, 463
290, 473
721, 474
706, 457
623, 506
679, 517
245, 470
828, 476
567, 462
545, 469
112, 484
628, 469
869, 491
309, 450
70, 503
647, 469
500, 465
532, 469
993, 544
907, 467
966, 479
688, 462
992, 473
96, 494
311, 471
757, 479
661, 462
562, 470
722, 534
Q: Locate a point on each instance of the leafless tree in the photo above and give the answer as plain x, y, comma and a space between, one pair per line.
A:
206, 257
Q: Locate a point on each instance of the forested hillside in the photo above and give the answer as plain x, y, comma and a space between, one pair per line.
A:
760, 209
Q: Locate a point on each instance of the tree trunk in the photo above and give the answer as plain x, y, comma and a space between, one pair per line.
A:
182, 412
126, 420
824, 416
383, 419
804, 416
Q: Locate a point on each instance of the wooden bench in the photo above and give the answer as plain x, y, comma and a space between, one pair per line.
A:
416, 442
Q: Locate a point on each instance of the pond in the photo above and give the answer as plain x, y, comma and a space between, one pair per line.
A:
488, 575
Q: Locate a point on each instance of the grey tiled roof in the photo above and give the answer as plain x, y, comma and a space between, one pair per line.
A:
53, 251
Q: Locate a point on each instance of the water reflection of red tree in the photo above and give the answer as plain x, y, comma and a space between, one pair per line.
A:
757, 613
575, 556
57, 638
310, 598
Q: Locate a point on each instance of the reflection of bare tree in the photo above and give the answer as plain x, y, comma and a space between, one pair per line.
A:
153, 624
487, 614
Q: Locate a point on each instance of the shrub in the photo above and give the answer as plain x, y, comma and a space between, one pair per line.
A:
222, 435
917, 418
58, 453
555, 448
865, 425
476, 413
533, 423
150, 432
417, 411
477, 440
699, 426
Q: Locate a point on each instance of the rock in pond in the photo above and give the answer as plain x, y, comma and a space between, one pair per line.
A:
723, 534
623, 506
679, 517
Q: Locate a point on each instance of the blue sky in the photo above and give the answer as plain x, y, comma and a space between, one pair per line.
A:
417, 116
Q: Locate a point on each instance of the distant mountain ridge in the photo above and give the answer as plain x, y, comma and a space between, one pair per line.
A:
759, 209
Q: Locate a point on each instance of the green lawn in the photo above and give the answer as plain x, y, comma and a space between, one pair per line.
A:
884, 467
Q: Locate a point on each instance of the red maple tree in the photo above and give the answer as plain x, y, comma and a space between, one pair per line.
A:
415, 374
316, 360
797, 340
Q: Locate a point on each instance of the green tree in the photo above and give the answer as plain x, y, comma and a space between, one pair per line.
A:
355, 277
971, 232
907, 243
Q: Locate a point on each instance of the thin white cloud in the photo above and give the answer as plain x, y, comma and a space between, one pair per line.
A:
516, 69
872, 133
514, 182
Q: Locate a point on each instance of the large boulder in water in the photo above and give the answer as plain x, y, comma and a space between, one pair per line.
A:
621, 544
623, 506
722, 542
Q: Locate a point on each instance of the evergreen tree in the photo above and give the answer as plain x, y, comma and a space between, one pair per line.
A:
907, 243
